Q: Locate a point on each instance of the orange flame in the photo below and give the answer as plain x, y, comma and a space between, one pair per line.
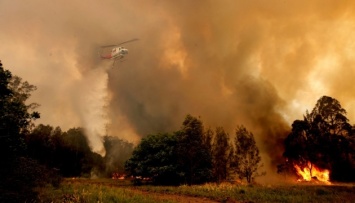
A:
311, 171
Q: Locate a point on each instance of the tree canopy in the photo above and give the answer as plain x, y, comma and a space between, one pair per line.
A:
247, 156
155, 158
324, 138
194, 155
15, 122
180, 157
221, 149
15, 115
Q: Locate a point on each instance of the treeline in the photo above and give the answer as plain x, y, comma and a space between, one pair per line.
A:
323, 138
34, 156
18, 173
195, 155
71, 155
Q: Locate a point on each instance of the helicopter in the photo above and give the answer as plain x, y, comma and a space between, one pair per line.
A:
115, 52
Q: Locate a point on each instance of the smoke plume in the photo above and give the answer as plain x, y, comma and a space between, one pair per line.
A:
258, 63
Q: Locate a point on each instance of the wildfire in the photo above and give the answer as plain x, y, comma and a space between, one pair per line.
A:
312, 172
117, 176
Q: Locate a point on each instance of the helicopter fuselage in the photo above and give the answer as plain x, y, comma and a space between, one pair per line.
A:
118, 52
115, 52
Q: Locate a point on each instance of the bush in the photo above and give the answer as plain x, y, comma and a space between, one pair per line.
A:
25, 176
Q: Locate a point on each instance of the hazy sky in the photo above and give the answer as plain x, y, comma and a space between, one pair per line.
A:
260, 63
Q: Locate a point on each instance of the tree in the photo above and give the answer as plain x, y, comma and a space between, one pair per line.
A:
324, 138
40, 145
220, 155
155, 158
193, 154
118, 151
19, 173
76, 157
182, 157
15, 115
207, 139
68, 152
15, 118
328, 117
247, 155
299, 144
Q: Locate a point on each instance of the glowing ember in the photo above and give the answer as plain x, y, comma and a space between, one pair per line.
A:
311, 171
117, 176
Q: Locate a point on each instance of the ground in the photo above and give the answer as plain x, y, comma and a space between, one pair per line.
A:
106, 190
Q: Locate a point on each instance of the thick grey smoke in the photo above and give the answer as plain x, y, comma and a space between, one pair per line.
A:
260, 63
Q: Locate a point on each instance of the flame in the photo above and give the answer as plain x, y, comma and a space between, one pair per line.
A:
311, 171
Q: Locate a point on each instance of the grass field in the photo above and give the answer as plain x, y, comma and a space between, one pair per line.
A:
106, 190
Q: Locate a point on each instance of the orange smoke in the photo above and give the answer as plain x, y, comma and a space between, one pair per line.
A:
311, 171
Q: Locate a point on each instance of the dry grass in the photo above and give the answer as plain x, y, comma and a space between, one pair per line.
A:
261, 193
105, 190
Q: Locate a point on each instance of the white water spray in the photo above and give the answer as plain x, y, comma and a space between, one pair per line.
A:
93, 107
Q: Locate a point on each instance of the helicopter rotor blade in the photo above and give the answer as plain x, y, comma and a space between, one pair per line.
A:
132, 40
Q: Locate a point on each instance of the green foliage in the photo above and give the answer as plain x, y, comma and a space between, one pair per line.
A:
18, 174
155, 157
194, 156
15, 118
220, 155
325, 138
247, 155
181, 157
69, 151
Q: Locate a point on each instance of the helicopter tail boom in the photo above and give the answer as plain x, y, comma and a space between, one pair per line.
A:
106, 57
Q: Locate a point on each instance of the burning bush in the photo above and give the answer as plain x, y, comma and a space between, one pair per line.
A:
312, 172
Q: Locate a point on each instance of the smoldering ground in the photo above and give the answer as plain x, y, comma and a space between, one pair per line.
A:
258, 63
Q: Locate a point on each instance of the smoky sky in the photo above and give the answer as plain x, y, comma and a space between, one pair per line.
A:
259, 63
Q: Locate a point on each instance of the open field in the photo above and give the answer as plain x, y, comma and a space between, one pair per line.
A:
106, 190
